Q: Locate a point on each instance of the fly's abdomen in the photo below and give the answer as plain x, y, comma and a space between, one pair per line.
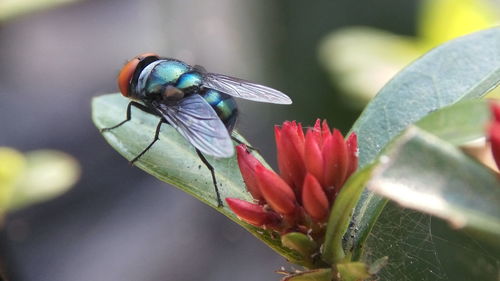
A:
224, 105
189, 81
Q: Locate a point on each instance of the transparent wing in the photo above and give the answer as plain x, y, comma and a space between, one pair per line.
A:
197, 121
244, 89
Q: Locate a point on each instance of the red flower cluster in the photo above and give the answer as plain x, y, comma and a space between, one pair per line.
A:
494, 133
313, 167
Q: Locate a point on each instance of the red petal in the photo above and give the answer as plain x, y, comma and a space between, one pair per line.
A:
281, 155
494, 134
316, 131
276, 191
313, 156
325, 130
314, 199
252, 213
290, 144
343, 159
335, 159
352, 152
300, 140
247, 163
277, 133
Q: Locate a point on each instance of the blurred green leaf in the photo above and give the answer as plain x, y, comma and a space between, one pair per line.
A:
34, 177
362, 59
173, 160
12, 8
12, 165
465, 68
47, 174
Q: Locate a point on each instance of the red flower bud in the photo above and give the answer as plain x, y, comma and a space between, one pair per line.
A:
282, 160
314, 199
247, 163
316, 131
352, 153
276, 191
335, 160
325, 130
290, 145
252, 213
313, 156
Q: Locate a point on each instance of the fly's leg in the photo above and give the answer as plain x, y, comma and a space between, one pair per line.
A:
238, 141
129, 114
212, 171
157, 137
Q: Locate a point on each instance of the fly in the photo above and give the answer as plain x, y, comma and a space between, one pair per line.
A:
197, 103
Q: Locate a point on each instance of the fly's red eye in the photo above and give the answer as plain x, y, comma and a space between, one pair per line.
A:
128, 71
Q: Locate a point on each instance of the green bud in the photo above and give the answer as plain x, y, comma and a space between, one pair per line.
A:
300, 243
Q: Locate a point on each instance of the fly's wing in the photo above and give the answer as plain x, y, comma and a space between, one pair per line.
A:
244, 89
197, 121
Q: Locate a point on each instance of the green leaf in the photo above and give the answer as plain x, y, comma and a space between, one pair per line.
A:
173, 160
424, 173
340, 216
462, 69
459, 123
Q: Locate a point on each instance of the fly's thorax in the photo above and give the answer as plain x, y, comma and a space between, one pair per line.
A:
157, 76
224, 105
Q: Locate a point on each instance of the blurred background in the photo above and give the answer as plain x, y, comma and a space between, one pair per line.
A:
119, 223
